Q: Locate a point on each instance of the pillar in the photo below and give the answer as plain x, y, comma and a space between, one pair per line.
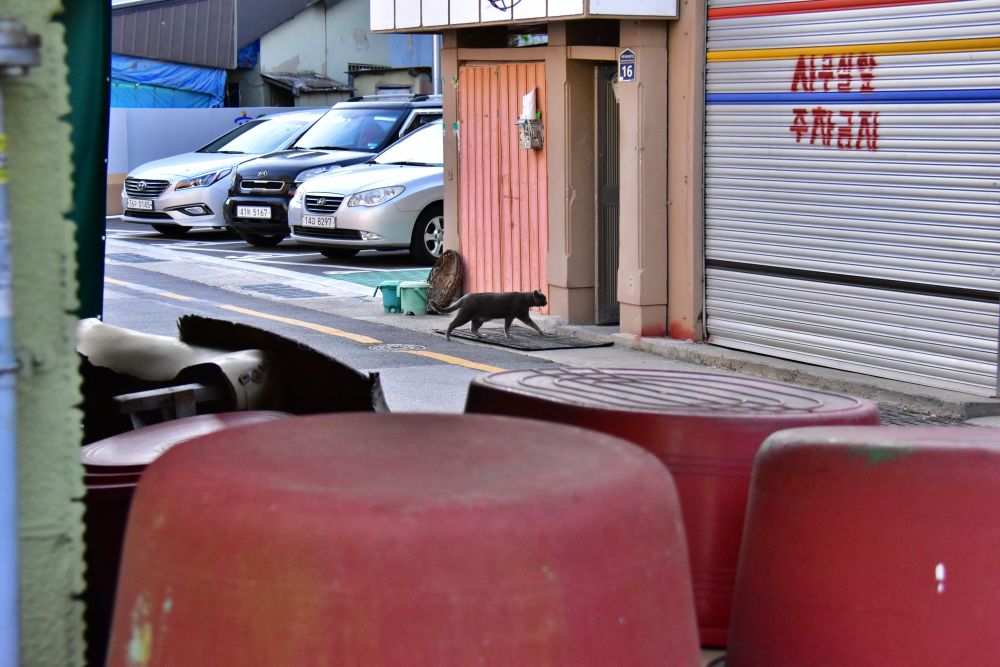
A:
642, 268
569, 132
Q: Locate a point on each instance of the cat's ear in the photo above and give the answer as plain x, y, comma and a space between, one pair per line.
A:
538, 292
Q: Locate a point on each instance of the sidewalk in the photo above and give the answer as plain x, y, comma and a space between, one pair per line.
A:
901, 402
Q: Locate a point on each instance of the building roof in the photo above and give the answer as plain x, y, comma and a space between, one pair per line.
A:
197, 32
301, 84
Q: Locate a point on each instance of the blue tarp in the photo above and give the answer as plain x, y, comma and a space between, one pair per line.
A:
247, 57
140, 82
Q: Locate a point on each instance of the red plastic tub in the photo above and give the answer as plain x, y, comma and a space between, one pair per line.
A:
112, 468
704, 427
871, 546
405, 540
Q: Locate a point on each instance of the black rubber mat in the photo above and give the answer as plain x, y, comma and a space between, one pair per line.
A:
522, 338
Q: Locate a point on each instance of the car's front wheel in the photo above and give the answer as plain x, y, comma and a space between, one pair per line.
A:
427, 243
262, 240
171, 230
337, 253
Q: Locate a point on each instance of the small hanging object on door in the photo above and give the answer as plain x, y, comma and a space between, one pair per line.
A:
530, 132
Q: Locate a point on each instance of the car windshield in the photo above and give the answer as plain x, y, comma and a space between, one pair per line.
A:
351, 129
261, 135
422, 147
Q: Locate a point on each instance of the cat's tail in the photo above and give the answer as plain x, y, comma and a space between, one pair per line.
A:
449, 308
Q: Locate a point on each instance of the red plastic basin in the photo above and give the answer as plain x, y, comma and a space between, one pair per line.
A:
112, 468
405, 540
871, 546
704, 427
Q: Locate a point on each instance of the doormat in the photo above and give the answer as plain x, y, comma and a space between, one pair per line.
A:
522, 338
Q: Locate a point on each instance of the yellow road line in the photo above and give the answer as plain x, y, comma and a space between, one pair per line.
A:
178, 297
887, 48
143, 288
358, 338
457, 361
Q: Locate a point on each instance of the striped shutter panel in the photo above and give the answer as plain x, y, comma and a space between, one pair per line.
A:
853, 185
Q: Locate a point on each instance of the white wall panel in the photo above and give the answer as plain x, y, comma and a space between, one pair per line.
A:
488, 13
565, 7
415, 14
382, 14
463, 11
634, 7
529, 9
434, 13
407, 14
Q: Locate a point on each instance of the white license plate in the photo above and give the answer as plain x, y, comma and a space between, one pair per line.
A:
253, 211
139, 204
319, 221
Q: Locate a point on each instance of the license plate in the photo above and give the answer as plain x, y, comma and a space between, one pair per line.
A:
319, 221
253, 211
140, 204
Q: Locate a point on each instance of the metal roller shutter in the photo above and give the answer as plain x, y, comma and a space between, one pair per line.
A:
853, 185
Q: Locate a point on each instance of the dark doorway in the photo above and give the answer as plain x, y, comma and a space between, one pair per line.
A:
607, 197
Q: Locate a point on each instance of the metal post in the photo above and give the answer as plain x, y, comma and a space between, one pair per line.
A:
436, 64
18, 52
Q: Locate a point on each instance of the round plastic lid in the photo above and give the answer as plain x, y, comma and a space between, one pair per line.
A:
134, 450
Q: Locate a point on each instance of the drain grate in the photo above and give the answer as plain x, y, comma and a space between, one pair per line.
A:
131, 258
397, 347
897, 417
277, 289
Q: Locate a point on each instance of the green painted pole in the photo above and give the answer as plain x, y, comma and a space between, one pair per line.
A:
88, 57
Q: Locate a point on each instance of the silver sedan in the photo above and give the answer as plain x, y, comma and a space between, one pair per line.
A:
184, 191
393, 201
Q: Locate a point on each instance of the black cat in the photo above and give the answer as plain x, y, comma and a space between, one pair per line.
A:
485, 306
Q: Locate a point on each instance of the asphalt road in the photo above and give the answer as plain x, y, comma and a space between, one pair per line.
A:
152, 280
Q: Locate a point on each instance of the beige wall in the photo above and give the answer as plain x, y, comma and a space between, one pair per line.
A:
642, 270
685, 173
572, 195
570, 142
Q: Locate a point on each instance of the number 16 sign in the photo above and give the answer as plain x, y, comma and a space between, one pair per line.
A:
626, 65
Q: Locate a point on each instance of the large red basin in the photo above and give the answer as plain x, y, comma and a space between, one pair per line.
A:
704, 427
405, 540
868, 546
112, 468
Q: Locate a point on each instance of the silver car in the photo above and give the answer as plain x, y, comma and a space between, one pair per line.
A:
394, 200
184, 191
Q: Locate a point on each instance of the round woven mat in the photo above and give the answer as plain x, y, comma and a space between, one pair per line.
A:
445, 280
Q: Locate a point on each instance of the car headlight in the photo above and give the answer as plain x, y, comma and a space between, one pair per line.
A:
376, 196
297, 197
315, 171
203, 180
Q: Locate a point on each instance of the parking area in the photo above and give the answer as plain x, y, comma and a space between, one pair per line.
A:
287, 255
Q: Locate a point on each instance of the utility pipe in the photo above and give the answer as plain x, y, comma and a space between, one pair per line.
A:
436, 64
18, 52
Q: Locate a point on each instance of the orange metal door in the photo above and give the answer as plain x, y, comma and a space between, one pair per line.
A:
503, 200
